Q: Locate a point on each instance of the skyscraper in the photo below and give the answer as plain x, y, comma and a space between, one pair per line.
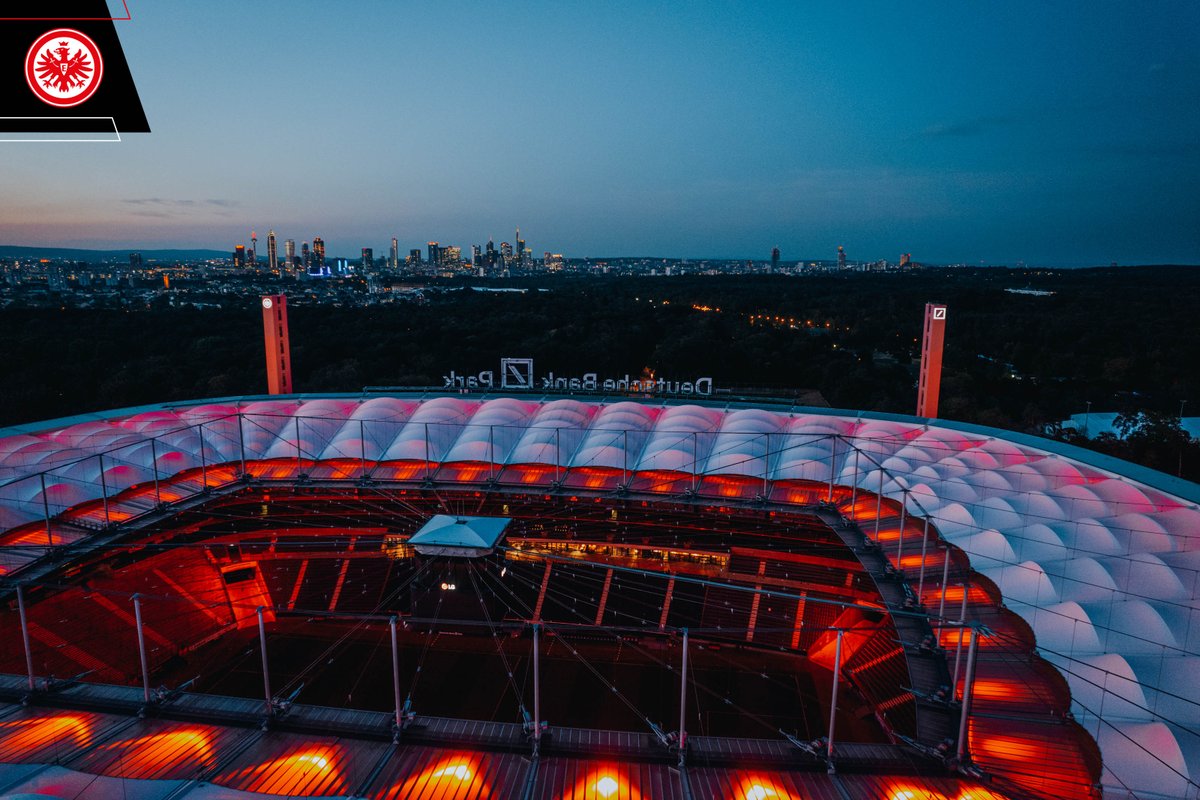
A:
318, 248
253, 250
477, 255
491, 253
135, 260
272, 252
435, 253
289, 253
305, 261
520, 252
239, 256
394, 255
368, 259
841, 257
506, 253
414, 257
774, 260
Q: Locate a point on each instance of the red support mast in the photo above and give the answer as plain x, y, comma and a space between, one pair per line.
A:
931, 360
275, 337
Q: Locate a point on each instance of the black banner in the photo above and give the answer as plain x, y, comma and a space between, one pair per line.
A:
58, 80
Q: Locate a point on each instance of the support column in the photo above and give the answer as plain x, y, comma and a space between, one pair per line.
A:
428, 464
837, 674
46, 511
242, 440
766, 492
558, 455
879, 504
537, 689
141, 636
854, 486
396, 674
362, 440
683, 701
903, 522
154, 465
695, 461
103, 487
25, 635
625, 461
945, 579
962, 622
491, 452
262, 641
968, 686
832, 466
203, 460
924, 550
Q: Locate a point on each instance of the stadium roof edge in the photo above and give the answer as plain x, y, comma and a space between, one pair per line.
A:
1162, 481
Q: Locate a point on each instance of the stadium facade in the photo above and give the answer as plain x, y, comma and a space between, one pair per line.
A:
1035, 596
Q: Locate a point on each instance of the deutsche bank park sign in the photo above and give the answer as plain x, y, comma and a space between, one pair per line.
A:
518, 374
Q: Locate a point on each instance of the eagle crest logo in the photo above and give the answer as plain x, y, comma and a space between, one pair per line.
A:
64, 67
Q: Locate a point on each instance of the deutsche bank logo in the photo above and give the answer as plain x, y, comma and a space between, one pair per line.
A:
939, 313
516, 373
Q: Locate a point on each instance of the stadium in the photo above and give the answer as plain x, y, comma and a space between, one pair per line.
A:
432, 595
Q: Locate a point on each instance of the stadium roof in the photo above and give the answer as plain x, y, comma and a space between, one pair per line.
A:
1097, 555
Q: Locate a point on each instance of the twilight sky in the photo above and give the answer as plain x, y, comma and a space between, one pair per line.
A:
1053, 132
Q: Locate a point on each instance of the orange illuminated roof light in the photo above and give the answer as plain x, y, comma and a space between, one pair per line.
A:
457, 776
457, 771
606, 786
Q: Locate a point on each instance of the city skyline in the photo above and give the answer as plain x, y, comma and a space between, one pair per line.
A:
1044, 134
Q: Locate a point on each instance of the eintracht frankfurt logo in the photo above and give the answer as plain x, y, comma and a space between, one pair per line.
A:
64, 67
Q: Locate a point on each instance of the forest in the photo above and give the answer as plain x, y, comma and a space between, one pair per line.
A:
1121, 339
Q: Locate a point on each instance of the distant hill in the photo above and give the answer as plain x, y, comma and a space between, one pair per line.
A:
14, 251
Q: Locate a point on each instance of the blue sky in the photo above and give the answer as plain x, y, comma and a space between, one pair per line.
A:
1053, 132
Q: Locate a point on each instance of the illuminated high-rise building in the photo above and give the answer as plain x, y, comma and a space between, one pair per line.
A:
318, 253
272, 252
774, 260
841, 257
368, 259
253, 250
239, 256
135, 260
520, 252
289, 253
394, 255
905, 259
506, 253
414, 257
490, 256
435, 253
451, 255
305, 261
476, 255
